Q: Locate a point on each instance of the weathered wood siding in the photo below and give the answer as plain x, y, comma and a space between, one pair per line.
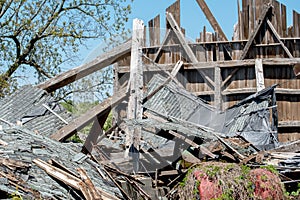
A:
237, 81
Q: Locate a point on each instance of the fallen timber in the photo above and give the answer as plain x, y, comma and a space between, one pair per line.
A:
243, 120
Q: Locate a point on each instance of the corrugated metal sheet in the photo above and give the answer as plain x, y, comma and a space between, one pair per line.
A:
27, 103
173, 100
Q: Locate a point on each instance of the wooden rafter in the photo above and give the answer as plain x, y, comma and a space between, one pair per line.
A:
212, 20
279, 39
77, 73
256, 30
185, 45
94, 133
221, 64
98, 111
164, 42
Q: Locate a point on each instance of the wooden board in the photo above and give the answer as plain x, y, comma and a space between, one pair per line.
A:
174, 9
98, 111
81, 71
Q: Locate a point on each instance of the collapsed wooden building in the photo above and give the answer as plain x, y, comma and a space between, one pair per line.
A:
164, 89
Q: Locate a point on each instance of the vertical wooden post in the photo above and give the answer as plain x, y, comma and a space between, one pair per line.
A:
217, 97
240, 21
283, 20
136, 91
259, 72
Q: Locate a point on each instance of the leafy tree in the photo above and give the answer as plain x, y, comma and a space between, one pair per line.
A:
43, 35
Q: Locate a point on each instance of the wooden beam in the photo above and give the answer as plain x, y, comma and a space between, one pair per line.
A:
98, 111
279, 39
212, 20
81, 71
175, 10
203, 149
94, 133
217, 95
176, 68
92, 192
164, 42
172, 75
240, 21
256, 30
259, 72
289, 124
228, 78
221, 64
283, 20
239, 91
185, 46
59, 174
134, 109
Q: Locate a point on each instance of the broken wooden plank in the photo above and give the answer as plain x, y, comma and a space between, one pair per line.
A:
193, 144
176, 68
259, 72
81, 71
60, 166
125, 195
54, 113
137, 188
13, 164
279, 39
93, 193
261, 20
119, 172
100, 110
212, 20
3, 143
228, 146
59, 174
94, 133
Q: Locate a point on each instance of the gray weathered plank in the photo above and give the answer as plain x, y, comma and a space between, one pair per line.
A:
98, 111
185, 46
81, 71
260, 82
256, 30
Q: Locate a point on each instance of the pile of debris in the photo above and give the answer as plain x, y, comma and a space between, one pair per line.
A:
167, 144
181, 137
186, 131
34, 166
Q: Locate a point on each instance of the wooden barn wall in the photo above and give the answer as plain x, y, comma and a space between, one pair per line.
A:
208, 48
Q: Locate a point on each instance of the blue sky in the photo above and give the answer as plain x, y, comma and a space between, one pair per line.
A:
192, 17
